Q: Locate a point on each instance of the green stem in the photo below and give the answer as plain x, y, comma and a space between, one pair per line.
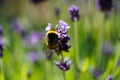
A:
76, 49
62, 57
76, 43
1, 70
63, 71
64, 75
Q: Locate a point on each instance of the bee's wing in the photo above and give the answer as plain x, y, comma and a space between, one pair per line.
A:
48, 53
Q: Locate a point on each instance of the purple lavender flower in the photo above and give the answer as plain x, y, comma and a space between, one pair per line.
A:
74, 13
62, 29
16, 26
33, 39
63, 43
97, 73
63, 64
107, 48
109, 77
32, 56
63, 38
104, 5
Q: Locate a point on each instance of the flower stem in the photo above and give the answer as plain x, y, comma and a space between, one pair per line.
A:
1, 70
76, 49
63, 62
76, 43
64, 75
62, 57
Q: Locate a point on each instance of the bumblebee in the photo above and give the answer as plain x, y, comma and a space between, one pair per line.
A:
52, 42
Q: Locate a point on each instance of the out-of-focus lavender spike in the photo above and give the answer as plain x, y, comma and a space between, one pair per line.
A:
16, 26
109, 77
104, 5
107, 48
97, 73
32, 56
33, 39
74, 13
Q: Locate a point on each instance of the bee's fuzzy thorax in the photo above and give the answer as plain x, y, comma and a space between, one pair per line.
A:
52, 31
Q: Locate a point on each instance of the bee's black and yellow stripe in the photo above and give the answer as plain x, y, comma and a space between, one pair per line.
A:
52, 31
52, 41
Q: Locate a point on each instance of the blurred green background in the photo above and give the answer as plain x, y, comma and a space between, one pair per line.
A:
24, 57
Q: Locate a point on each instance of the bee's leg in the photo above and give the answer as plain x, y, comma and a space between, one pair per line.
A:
48, 54
57, 50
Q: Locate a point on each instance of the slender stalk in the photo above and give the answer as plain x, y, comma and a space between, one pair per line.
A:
63, 62
76, 43
62, 57
1, 70
64, 75
76, 49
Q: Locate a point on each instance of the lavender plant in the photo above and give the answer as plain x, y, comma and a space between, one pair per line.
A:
62, 42
74, 13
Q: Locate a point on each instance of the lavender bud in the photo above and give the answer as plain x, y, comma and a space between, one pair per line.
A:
104, 5
63, 64
74, 13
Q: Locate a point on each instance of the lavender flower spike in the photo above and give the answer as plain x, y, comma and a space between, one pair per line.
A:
104, 5
63, 64
64, 24
62, 27
74, 13
32, 56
